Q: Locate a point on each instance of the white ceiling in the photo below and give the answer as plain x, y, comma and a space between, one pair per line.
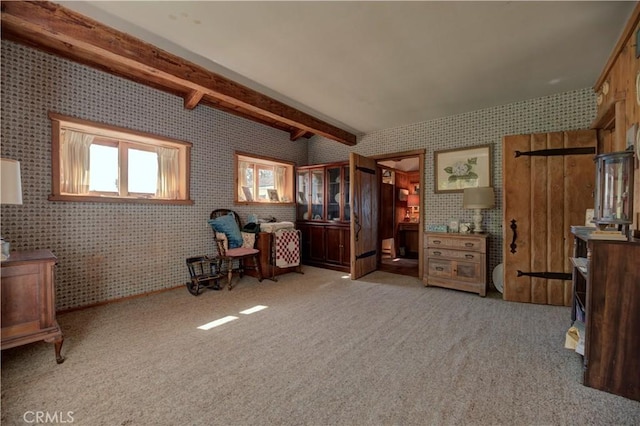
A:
408, 164
366, 66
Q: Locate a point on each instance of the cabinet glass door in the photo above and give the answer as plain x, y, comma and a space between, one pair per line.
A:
333, 193
303, 196
317, 194
614, 188
346, 207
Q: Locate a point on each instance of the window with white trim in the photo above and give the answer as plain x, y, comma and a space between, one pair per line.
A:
98, 162
263, 180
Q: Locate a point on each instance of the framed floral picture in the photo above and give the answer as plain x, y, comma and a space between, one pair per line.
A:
460, 168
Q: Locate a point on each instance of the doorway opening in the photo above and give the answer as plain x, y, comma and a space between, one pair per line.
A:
401, 212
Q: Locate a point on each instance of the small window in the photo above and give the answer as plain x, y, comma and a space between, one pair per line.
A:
263, 180
97, 162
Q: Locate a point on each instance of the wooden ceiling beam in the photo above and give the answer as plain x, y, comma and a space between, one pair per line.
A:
230, 109
193, 99
55, 48
297, 134
58, 30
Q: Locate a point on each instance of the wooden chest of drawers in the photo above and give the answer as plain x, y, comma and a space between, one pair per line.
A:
457, 261
28, 300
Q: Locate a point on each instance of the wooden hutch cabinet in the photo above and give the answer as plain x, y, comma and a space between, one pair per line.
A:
606, 299
323, 215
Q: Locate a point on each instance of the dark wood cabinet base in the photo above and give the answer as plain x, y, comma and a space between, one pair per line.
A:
606, 299
326, 245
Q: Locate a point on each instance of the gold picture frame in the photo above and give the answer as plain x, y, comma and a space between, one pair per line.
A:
460, 168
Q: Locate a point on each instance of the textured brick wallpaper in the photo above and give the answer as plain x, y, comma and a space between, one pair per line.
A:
106, 250
566, 111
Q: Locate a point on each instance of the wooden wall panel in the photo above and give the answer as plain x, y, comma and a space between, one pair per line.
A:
579, 184
539, 210
619, 76
517, 205
401, 182
555, 221
579, 187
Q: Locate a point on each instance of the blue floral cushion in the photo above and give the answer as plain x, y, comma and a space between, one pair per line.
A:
227, 225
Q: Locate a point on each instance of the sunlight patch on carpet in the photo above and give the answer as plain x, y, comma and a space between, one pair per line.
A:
218, 322
256, 308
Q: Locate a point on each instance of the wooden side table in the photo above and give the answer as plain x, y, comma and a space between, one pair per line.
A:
408, 238
264, 243
29, 300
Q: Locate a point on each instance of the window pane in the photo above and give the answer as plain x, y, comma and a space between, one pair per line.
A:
265, 181
103, 175
245, 184
246, 173
143, 171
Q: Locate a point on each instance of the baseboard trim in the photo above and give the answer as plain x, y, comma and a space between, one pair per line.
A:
120, 299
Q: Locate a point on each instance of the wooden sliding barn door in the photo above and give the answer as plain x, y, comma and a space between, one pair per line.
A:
548, 181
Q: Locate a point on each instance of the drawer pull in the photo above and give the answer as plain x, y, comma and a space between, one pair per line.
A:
437, 253
439, 268
468, 244
436, 241
469, 256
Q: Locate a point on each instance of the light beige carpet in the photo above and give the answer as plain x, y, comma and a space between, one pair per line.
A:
326, 351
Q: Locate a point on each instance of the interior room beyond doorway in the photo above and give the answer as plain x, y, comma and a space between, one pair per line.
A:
400, 215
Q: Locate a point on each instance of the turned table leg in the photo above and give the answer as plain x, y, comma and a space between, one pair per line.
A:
58, 347
57, 342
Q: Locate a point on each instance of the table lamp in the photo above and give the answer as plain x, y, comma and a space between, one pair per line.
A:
10, 191
478, 198
413, 203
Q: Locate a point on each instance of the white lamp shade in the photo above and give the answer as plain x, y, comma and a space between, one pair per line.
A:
478, 198
11, 182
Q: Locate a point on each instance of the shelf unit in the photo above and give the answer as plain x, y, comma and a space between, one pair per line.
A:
606, 301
